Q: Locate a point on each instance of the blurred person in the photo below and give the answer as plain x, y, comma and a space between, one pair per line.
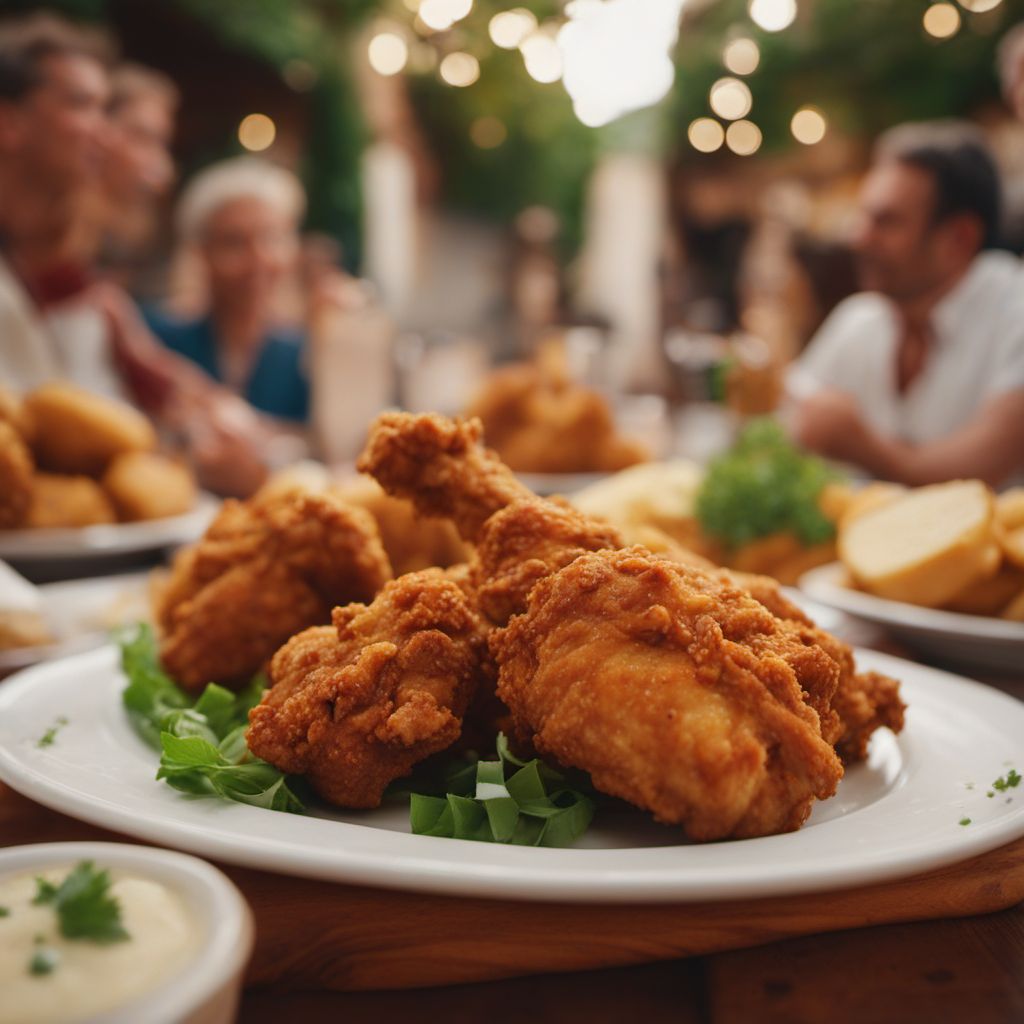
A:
920, 378
57, 321
241, 217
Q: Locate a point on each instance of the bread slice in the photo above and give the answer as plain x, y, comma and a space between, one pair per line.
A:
925, 547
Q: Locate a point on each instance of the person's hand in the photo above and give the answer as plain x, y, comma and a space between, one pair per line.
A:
830, 423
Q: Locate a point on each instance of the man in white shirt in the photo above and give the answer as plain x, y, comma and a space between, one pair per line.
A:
921, 377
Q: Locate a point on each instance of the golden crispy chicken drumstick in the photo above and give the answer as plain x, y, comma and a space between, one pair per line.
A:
355, 705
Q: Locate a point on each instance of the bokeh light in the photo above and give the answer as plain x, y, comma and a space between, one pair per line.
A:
808, 126
706, 134
257, 132
731, 99
442, 14
509, 28
941, 20
980, 6
741, 56
460, 69
388, 53
773, 15
542, 57
488, 132
743, 138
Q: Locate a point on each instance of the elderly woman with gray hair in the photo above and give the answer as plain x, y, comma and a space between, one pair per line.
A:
241, 217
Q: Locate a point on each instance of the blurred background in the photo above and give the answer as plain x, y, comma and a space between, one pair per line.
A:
669, 185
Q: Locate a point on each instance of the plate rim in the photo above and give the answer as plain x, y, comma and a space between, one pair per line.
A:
104, 539
822, 584
501, 877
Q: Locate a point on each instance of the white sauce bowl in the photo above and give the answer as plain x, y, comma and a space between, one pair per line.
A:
206, 989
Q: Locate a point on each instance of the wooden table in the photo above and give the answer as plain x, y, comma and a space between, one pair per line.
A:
956, 970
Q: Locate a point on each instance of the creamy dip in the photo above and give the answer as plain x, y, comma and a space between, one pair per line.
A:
89, 978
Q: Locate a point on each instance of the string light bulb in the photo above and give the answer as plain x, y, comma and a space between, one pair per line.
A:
980, 6
808, 126
773, 15
743, 138
542, 57
460, 69
731, 99
941, 20
509, 28
706, 135
741, 56
388, 53
257, 132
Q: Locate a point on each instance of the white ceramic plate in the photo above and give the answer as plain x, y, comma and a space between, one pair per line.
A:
896, 815
965, 639
80, 614
22, 547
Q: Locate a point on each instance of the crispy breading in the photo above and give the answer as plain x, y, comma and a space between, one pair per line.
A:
261, 574
355, 705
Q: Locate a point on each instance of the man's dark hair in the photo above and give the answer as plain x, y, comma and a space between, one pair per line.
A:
960, 163
26, 46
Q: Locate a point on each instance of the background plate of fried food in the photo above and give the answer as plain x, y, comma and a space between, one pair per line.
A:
919, 801
941, 567
81, 477
71, 617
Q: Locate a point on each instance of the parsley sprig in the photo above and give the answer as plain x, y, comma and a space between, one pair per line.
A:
85, 909
201, 741
524, 803
764, 485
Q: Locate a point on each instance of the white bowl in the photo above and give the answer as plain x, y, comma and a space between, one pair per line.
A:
206, 989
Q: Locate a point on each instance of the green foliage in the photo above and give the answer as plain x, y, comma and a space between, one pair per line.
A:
202, 742
764, 485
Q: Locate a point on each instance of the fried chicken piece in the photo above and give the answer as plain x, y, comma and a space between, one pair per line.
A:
644, 674
15, 478
540, 421
260, 574
863, 702
442, 466
67, 502
355, 705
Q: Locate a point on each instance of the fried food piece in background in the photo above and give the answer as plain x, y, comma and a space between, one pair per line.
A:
260, 575
1009, 524
926, 546
642, 673
989, 596
355, 705
60, 502
15, 478
147, 485
540, 421
76, 431
413, 542
14, 411
22, 619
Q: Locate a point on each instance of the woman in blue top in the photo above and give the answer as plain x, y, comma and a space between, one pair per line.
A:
242, 218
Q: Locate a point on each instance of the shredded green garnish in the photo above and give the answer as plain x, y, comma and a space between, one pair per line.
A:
524, 803
85, 909
43, 961
204, 753
965, 821
5, 911
201, 741
1008, 781
48, 737
764, 485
